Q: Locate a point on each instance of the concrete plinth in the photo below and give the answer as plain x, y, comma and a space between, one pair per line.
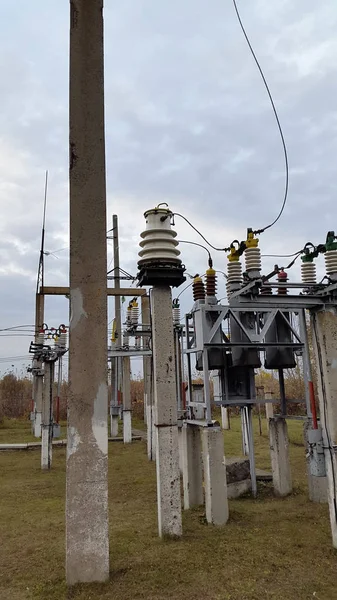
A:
167, 452
114, 425
127, 427
214, 476
37, 424
317, 486
279, 453
225, 418
127, 417
47, 416
192, 466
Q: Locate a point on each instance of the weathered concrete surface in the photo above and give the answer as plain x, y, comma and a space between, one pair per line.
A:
237, 469
317, 486
192, 466
279, 453
214, 476
167, 452
225, 418
324, 329
238, 488
268, 395
87, 542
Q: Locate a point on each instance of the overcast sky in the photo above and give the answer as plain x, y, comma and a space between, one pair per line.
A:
188, 121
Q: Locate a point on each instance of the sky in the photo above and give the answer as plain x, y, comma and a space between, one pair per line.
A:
188, 122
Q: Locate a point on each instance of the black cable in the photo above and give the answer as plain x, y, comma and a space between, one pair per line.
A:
200, 246
277, 121
198, 232
283, 255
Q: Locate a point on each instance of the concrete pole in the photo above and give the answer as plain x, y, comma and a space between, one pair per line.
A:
225, 418
37, 379
114, 411
268, 395
167, 453
127, 424
192, 466
87, 541
244, 432
215, 476
148, 381
47, 415
324, 330
279, 453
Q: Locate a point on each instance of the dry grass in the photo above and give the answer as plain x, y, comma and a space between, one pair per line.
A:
271, 549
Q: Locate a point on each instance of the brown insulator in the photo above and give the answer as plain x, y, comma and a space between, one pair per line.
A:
282, 278
198, 288
266, 289
210, 282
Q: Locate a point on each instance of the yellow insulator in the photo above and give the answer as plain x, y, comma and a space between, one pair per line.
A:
198, 288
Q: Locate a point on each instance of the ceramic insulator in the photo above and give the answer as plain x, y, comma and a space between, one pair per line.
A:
308, 272
253, 259
330, 258
176, 315
158, 243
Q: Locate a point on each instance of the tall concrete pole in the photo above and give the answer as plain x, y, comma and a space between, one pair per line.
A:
87, 542
127, 424
38, 379
324, 330
148, 381
166, 418
116, 362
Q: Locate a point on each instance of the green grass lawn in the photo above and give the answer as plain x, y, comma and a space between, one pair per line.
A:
271, 548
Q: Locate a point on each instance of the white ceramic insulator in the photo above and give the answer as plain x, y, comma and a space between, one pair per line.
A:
331, 263
158, 243
308, 272
134, 315
234, 272
176, 315
253, 259
128, 316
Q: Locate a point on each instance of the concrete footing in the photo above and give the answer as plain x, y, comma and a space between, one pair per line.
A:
127, 427
114, 425
37, 424
214, 476
191, 452
46, 449
168, 481
279, 452
317, 486
225, 418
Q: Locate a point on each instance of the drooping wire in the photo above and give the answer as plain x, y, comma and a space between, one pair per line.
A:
277, 121
199, 233
200, 246
283, 255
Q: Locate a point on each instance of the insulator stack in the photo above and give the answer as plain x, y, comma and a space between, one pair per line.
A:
61, 341
234, 276
253, 261
266, 289
128, 315
282, 278
198, 288
308, 273
176, 315
330, 258
211, 282
134, 314
125, 339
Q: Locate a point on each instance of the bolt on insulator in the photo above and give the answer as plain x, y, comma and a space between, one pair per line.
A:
210, 282
198, 288
282, 278
308, 272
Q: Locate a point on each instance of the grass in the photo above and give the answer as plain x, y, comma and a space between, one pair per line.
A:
271, 548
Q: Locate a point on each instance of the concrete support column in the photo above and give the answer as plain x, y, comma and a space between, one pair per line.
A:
225, 418
87, 541
192, 466
215, 479
268, 395
279, 453
127, 425
38, 403
47, 416
167, 453
114, 410
148, 382
324, 331
244, 432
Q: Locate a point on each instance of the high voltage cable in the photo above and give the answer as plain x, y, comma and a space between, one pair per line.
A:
277, 121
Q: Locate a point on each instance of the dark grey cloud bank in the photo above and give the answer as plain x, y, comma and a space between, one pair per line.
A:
187, 121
